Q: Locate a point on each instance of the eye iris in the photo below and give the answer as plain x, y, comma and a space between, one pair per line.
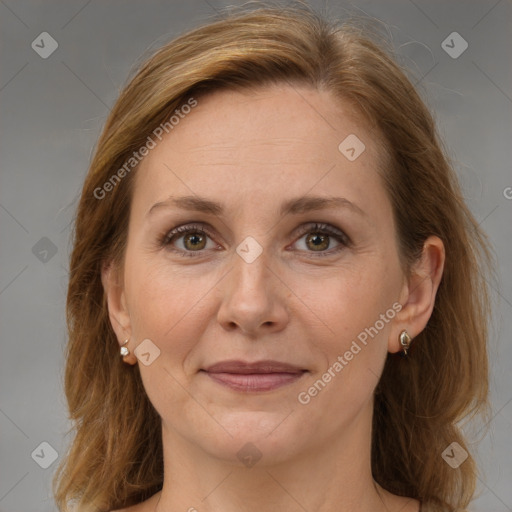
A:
194, 238
319, 241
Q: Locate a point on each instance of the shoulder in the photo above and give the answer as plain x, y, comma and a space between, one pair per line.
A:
134, 508
146, 506
428, 507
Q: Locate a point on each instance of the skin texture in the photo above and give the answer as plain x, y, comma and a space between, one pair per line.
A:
252, 151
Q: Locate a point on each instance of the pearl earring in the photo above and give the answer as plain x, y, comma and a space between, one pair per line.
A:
124, 350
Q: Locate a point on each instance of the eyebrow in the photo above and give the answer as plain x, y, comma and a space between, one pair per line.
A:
292, 206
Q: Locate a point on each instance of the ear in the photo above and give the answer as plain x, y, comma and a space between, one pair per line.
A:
111, 278
418, 293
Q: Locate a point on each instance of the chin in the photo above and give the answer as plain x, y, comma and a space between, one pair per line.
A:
250, 437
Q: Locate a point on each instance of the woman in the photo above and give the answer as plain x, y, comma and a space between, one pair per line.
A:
272, 239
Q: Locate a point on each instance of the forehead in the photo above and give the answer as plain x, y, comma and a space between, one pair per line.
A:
252, 142
277, 113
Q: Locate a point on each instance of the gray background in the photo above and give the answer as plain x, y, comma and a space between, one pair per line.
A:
51, 113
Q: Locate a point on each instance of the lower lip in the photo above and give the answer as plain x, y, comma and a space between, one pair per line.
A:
254, 381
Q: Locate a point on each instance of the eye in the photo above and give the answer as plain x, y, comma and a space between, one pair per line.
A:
317, 238
190, 239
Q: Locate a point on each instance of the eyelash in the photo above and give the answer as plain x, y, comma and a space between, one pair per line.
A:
317, 228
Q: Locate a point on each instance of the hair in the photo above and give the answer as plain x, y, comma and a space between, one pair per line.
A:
115, 459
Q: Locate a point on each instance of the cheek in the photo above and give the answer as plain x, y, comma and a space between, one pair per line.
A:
350, 299
169, 309
356, 310
166, 305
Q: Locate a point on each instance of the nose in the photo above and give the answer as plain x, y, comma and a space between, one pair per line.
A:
253, 298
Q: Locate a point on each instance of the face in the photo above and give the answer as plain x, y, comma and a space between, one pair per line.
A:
272, 325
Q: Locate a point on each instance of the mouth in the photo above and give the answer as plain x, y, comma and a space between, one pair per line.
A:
254, 377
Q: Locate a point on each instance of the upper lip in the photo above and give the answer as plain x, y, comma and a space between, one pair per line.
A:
243, 367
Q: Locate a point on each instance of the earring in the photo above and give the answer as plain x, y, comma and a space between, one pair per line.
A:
405, 341
124, 350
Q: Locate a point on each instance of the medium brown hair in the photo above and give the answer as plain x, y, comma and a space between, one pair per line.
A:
115, 459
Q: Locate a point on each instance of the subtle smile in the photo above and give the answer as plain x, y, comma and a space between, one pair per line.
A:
254, 377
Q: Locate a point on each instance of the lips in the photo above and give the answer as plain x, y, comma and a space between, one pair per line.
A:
257, 367
252, 377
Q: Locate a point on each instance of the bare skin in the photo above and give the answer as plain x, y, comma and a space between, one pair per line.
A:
252, 152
